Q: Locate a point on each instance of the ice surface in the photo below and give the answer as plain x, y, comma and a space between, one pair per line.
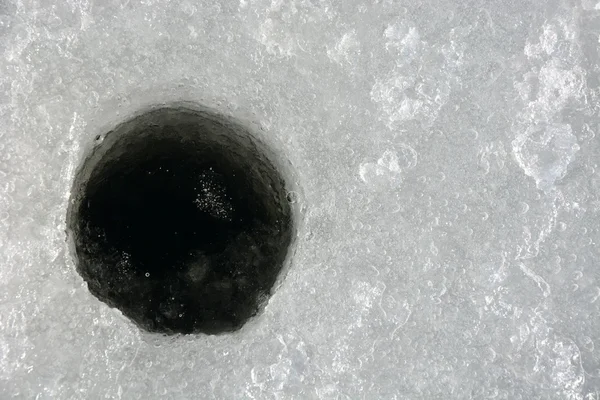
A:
445, 160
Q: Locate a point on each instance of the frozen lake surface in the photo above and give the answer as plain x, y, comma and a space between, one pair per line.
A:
444, 161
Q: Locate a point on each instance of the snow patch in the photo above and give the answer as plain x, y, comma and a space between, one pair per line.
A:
409, 91
388, 170
345, 50
544, 145
545, 152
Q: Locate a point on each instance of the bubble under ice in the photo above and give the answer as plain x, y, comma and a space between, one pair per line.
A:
443, 160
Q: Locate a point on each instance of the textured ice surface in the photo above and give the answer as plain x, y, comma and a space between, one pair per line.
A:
446, 164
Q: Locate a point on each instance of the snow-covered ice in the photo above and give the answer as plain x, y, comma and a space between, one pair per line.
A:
444, 163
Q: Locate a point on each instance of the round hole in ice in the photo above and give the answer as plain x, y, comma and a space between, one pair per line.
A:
180, 219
